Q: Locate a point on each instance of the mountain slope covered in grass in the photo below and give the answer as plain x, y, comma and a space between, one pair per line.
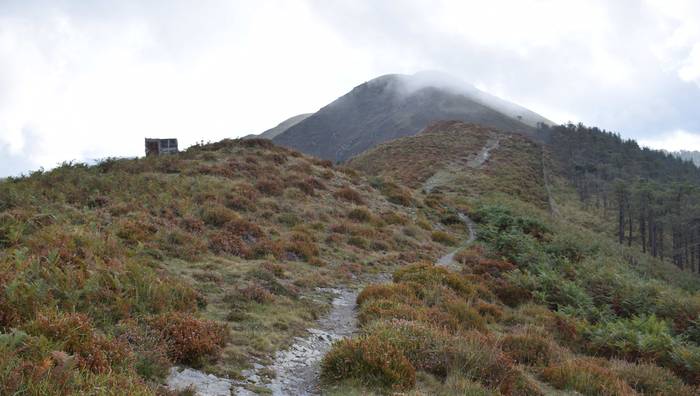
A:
211, 258
546, 300
652, 196
218, 257
393, 106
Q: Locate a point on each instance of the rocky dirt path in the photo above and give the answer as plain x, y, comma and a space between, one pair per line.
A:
298, 368
446, 175
448, 260
485, 153
201, 383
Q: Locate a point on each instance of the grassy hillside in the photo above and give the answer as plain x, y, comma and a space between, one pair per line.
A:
219, 256
211, 258
537, 306
443, 157
544, 302
650, 196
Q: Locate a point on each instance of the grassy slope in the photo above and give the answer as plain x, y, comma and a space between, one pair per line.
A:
110, 274
554, 302
515, 168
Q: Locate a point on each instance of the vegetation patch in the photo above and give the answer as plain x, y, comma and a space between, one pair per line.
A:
370, 360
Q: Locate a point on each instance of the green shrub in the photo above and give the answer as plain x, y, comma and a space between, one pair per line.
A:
436, 351
75, 334
529, 348
360, 214
217, 215
270, 187
383, 309
649, 379
587, 377
686, 363
643, 337
288, 219
358, 241
349, 194
466, 316
457, 384
443, 238
302, 246
428, 275
385, 291
374, 362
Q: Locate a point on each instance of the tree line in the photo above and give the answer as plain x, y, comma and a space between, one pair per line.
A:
653, 195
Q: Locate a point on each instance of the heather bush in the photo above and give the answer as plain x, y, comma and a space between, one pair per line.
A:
529, 347
393, 218
270, 187
56, 374
386, 291
349, 194
437, 351
150, 351
393, 192
649, 379
223, 242
75, 334
358, 241
374, 362
444, 238
180, 244
217, 215
302, 246
587, 377
427, 275
190, 341
360, 214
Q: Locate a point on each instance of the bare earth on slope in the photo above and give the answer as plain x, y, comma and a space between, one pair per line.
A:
448, 260
444, 176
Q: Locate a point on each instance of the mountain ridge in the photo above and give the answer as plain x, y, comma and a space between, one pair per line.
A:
279, 128
393, 106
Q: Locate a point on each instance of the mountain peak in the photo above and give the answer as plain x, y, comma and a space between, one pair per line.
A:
398, 105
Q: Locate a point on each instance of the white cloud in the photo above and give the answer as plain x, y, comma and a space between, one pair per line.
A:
89, 89
92, 79
674, 141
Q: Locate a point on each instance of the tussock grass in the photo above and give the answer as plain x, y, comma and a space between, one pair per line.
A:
152, 258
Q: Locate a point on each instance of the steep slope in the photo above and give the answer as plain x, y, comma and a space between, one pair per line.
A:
649, 197
216, 257
280, 128
548, 300
394, 106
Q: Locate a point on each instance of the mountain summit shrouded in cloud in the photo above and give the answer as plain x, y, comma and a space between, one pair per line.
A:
395, 105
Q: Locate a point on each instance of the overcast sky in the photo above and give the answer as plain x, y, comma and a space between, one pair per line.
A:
88, 79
